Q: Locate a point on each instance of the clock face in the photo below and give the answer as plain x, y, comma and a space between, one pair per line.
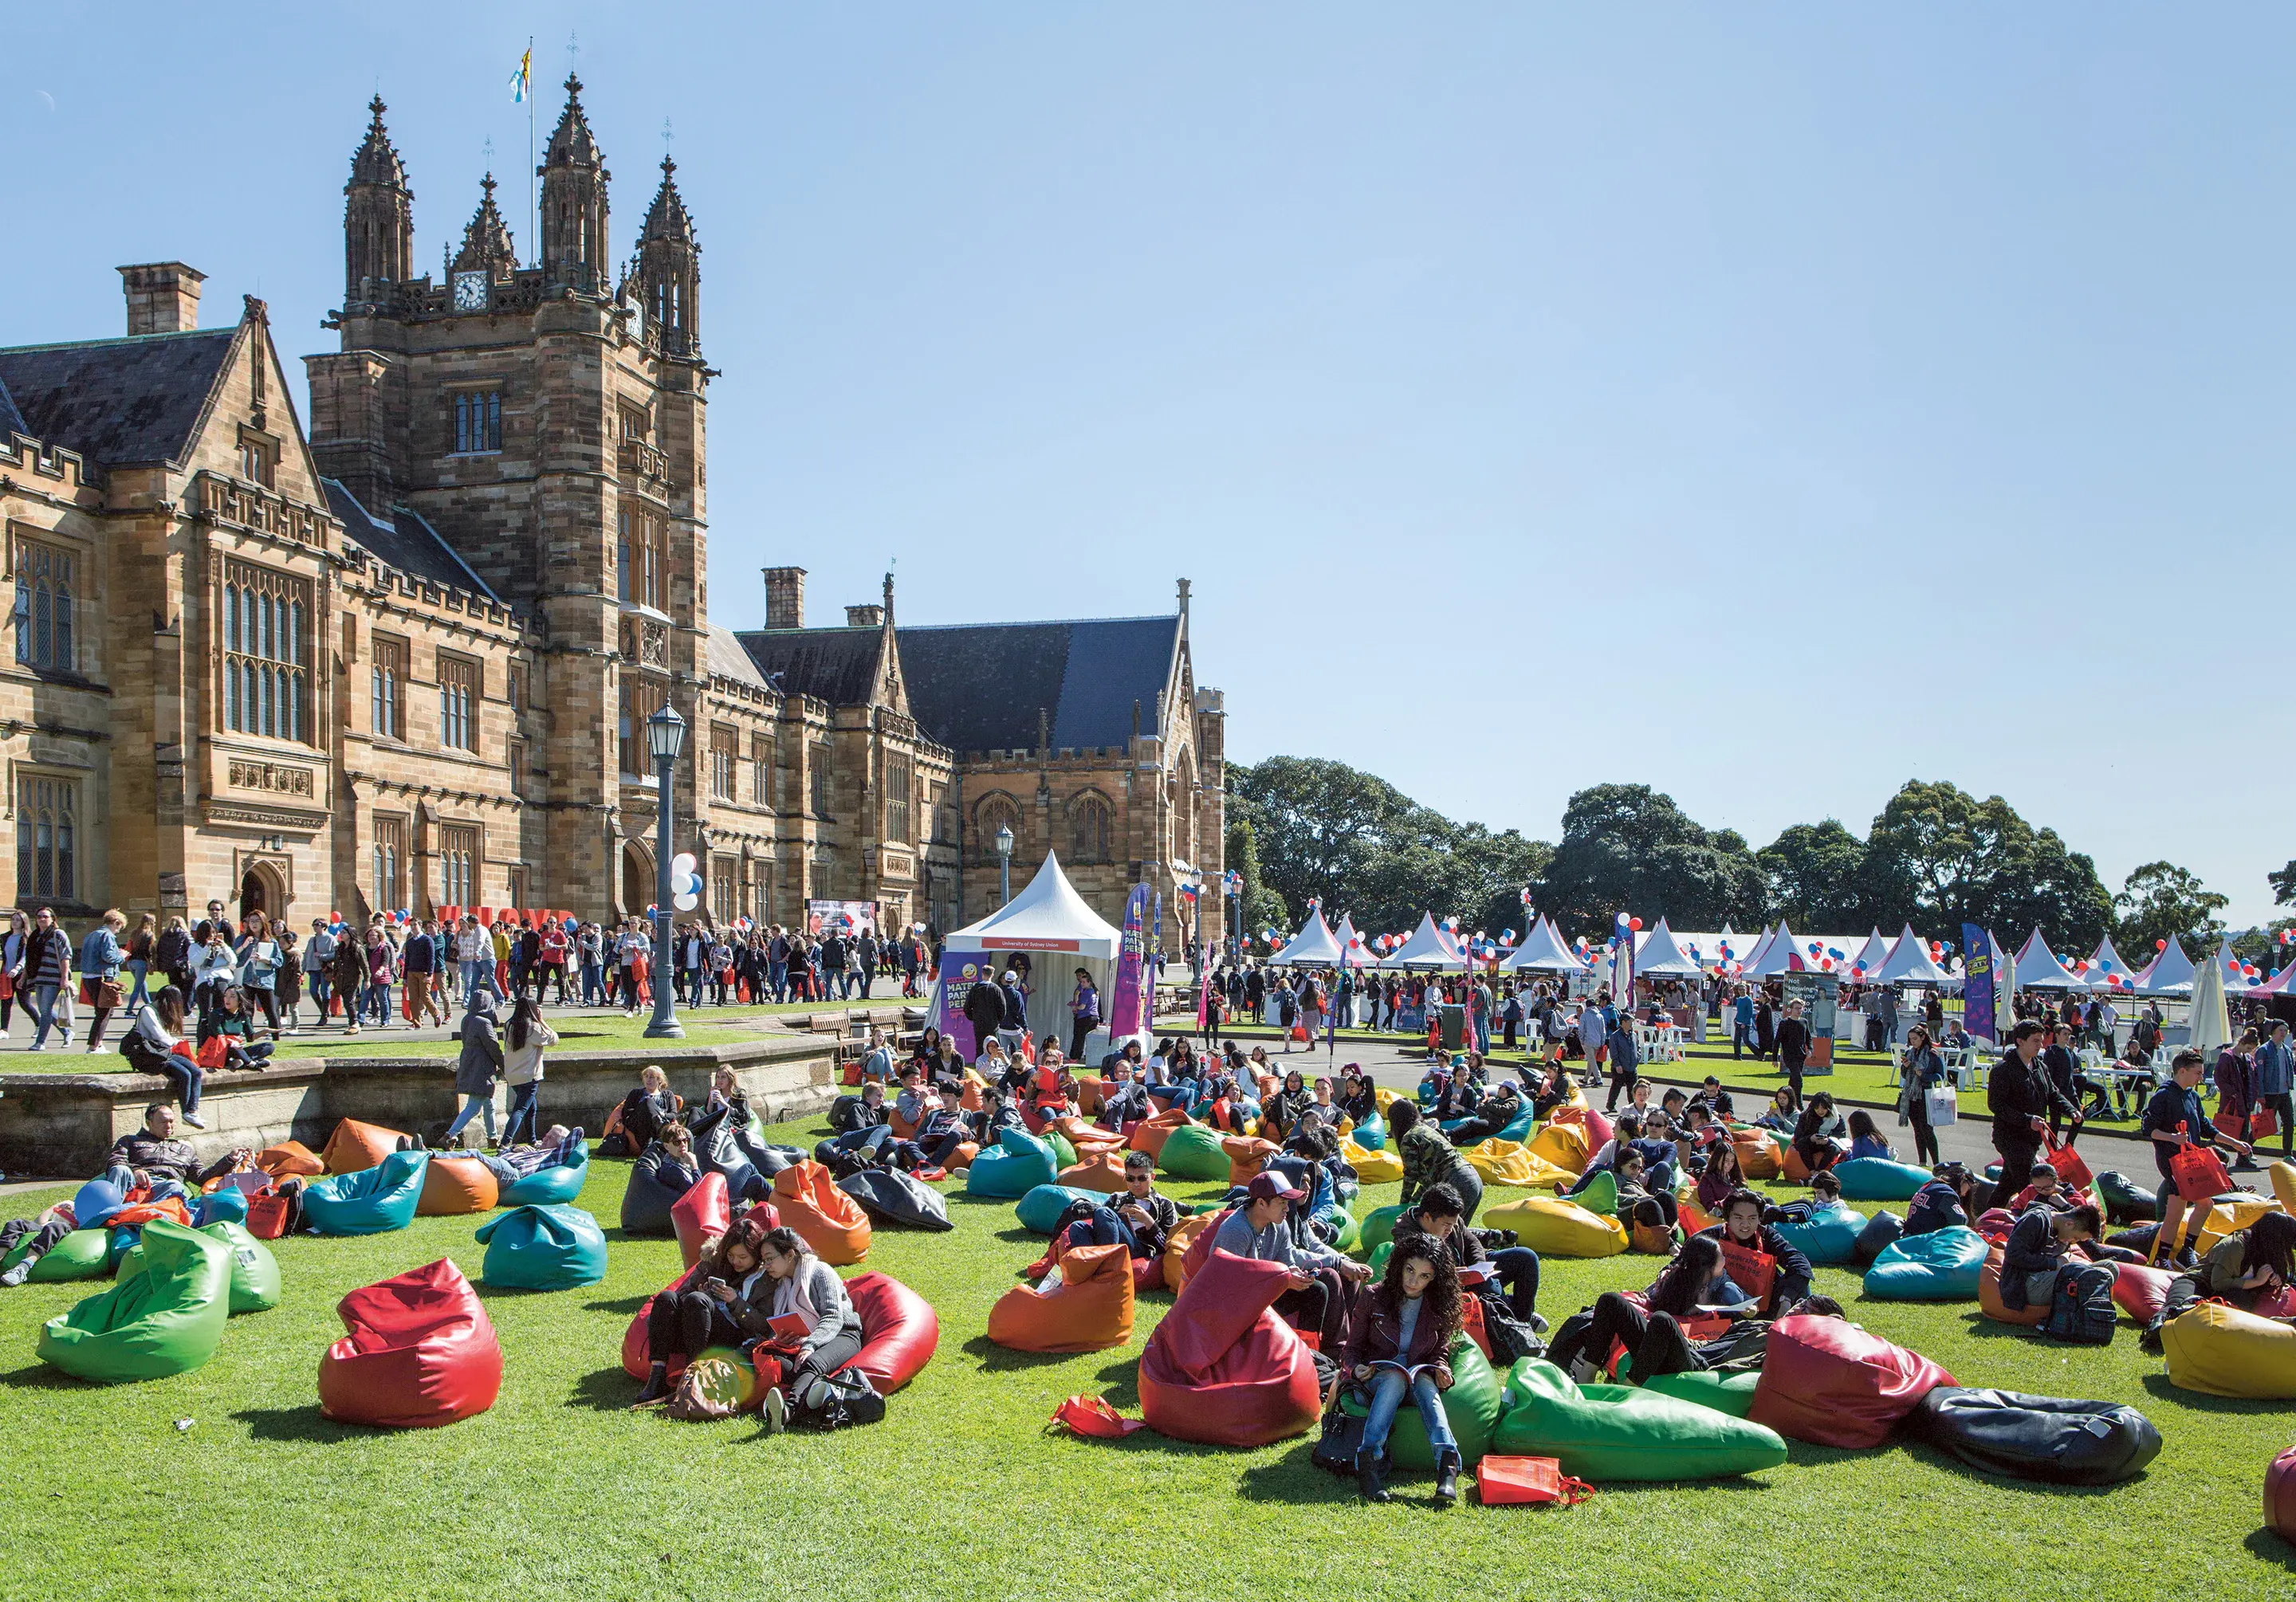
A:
637, 319
470, 291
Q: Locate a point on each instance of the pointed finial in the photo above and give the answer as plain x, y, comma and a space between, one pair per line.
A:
486, 184
377, 108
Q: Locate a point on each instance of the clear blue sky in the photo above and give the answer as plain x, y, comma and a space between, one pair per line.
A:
1770, 404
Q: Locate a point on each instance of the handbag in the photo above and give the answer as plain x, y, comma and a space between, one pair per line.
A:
1503, 1482
1094, 1417
1341, 1440
2266, 1121
2199, 1175
2070, 1167
269, 1214
1942, 1105
108, 994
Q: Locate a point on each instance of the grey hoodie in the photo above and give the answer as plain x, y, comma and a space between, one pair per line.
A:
481, 1059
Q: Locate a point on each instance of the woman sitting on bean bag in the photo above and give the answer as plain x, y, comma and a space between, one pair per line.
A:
1355, 1098
1280, 1111
717, 1304
1864, 1140
1818, 1133
2251, 1268
1782, 1115
1398, 1345
642, 1116
669, 1160
1722, 1175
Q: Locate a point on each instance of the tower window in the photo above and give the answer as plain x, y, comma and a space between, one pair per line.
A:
477, 421
725, 745
458, 702
391, 688
44, 607
45, 810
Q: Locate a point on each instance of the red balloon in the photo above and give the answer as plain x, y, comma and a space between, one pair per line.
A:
2160, 945
1634, 923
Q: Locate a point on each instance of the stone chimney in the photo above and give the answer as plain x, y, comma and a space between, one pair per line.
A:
163, 297
864, 617
784, 597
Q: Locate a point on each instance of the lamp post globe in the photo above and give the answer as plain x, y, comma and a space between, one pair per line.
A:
666, 739
1003, 864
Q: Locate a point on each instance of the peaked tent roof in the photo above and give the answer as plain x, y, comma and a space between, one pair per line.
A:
1312, 947
1541, 952
1660, 955
1754, 953
138, 399
1428, 947
1777, 955
2278, 983
2038, 968
2107, 960
1871, 955
1910, 962
2170, 973
1049, 915
1354, 950
2235, 981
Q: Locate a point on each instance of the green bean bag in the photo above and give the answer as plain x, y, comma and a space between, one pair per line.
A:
167, 1319
1878, 1179
82, 1255
1471, 1407
1622, 1432
1940, 1266
560, 1182
1600, 1196
1063, 1153
1345, 1231
254, 1270
372, 1201
1831, 1235
1040, 1210
1019, 1162
1378, 1228
1731, 1394
1194, 1152
548, 1248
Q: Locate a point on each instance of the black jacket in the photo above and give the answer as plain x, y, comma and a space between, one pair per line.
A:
984, 1007
2017, 1093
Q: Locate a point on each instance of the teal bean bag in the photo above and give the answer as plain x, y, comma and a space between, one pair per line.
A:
1523, 1123
1878, 1179
82, 1255
561, 1182
1370, 1134
228, 1203
1831, 1235
1019, 1162
1940, 1266
1063, 1153
1731, 1394
167, 1319
1471, 1407
546, 1246
254, 1270
370, 1202
1194, 1152
1040, 1210
1621, 1433
1378, 1228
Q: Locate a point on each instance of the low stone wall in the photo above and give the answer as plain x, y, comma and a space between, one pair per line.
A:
63, 1124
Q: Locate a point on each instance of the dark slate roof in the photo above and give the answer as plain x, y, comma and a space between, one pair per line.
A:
132, 399
406, 541
12, 421
977, 686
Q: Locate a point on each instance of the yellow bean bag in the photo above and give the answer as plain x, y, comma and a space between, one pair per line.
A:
2220, 1351
1561, 1146
1372, 1167
2222, 1220
1553, 1227
1382, 1095
2283, 1186
1512, 1163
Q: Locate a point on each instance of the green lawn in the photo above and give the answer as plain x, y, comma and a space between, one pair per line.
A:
959, 1493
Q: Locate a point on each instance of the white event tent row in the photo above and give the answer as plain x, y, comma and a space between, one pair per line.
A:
1429, 947
1313, 946
1354, 949
1909, 963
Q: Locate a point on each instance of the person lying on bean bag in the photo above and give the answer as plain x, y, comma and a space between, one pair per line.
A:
1492, 1114
1139, 1218
1948, 1200
1398, 1345
1123, 1097
666, 1170
2250, 1268
559, 1147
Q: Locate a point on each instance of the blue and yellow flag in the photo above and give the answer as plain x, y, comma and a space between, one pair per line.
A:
520, 79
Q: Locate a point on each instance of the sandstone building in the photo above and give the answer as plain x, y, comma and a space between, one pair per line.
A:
403, 657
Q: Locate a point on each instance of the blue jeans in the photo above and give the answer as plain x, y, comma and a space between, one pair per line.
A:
44, 1011
593, 985
475, 975
1386, 1390
472, 1106
1103, 1227
186, 1075
139, 994
524, 1115
777, 980
162, 1187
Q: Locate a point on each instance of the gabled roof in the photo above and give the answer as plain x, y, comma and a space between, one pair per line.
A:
133, 399
2038, 968
1430, 946
1049, 915
836, 665
403, 541
727, 660
1872, 954
1354, 949
1910, 962
2168, 974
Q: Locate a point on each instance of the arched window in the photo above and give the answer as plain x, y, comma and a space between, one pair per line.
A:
994, 812
1184, 811
1088, 830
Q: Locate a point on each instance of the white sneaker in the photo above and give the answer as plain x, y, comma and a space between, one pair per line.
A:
195, 1121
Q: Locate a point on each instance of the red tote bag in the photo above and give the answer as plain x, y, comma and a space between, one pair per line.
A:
2198, 1173
1524, 1482
1096, 1417
2070, 1167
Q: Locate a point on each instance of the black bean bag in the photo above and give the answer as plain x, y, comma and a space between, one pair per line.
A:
2124, 1201
720, 1152
770, 1160
647, 1203
902, 1200
2052, 1438
1879, 1235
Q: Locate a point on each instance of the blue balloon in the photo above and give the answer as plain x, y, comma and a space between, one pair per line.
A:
96, 1202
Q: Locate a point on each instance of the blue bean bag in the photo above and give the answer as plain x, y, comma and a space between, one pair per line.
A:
371, 1202
1519, 1128
1940, 1266
1018, 1166
561, 1182
1878, 1179
548, 1246
96, 1202
226, 1205
1040, 1210
1831, 1235
1370, 1134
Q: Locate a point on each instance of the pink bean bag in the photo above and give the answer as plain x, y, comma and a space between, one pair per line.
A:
1826, 1381
420, 1351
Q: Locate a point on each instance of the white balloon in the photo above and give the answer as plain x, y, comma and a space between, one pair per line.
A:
683, 863
686, 903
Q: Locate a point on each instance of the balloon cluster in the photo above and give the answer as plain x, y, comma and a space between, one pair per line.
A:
685, 882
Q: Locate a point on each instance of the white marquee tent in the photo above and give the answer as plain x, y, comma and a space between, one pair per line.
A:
1542, 951
1313, 946
1662, 957
1353, 948
2038, 968
1909, 962
1046, 917
1428, 947
2168, 974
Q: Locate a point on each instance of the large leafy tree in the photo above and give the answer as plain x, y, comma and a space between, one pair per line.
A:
1263, 908
1937, 857
1816, 877
2160, 900
1627, 848
2284, 885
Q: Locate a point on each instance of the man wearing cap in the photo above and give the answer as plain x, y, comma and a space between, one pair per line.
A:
1323, 1281
1014, 1029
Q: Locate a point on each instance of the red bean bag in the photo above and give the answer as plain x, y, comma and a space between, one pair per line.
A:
420, 1351
1149, 1136
290, 1158
634, 1339
703, 1210
2280, 1496
1102, 1170
831, 1222
354, 1147
1245, 1156
1826, 1381
1085, 1306
2139, 1291
1221, 1368
899, 1331
454, 1185
1147, 1274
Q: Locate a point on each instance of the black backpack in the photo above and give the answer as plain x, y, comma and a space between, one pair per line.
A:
2081, 1309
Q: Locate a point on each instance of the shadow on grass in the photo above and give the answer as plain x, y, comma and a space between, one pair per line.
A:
39, 1377
1294, 1479
620, 1304
1119, 1382
294, 1424
1003, 1360
2201, 1401
604, 1391
1952, 1464
2272, 1549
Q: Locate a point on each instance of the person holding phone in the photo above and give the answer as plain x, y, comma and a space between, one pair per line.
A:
718, 1303
811, 1330
1399, 1344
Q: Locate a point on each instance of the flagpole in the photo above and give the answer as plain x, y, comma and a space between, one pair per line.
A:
533, 205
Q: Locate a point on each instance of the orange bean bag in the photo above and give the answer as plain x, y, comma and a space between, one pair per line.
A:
703, 1210
903, 1129
1102, 1170
1758, 1158
962, 1157
454, 1185
831, 1221
1245, 1155
1796, 1170
290, 1158
974, 1096
1177, 1245
1087, 1137
1085, 1306
1988, 1296
1221, 1368
354, 1147
1088, 1095
1150, 1135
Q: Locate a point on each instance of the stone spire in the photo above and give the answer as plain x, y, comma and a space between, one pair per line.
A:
486, 241
378, 214
574, 179
669, 269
